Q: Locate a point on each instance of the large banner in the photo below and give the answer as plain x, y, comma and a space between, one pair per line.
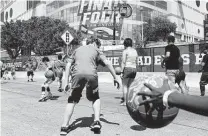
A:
149, 59
94, 19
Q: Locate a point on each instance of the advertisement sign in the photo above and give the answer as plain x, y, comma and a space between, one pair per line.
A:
94, 20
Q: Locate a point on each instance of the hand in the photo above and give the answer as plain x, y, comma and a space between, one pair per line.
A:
66, 88
156, 94
116, 83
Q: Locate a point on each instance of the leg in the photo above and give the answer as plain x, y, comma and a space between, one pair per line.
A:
124, 89
75, 94
203, 83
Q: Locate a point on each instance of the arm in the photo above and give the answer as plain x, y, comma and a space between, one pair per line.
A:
112, 71
67, 73
195, 104
123, 63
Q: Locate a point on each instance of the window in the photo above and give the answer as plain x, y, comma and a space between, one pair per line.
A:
149, 2
207, 6
161, 4
197, 3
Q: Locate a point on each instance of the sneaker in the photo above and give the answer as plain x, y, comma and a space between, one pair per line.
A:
65, 130
123, 104
60, 90
95, 125
42, 98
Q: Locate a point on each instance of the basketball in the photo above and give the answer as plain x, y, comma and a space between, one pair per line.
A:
152, 115
118, 70
49, 74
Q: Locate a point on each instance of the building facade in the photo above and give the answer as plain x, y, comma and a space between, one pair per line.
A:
21, 9
90, 15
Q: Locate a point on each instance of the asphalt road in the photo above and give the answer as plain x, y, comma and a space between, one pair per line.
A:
23, 115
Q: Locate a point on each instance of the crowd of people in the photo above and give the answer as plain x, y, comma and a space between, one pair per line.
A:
81, 71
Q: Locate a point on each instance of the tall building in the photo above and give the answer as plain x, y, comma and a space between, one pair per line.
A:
89, 15
21, 9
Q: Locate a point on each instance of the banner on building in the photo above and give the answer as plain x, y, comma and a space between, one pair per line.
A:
94, 20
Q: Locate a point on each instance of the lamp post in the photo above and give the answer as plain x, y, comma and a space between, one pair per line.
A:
121, 9
141, 11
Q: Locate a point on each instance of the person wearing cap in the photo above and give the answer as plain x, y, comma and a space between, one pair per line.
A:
204, 76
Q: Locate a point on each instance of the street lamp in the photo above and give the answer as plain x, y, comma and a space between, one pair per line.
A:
121, 9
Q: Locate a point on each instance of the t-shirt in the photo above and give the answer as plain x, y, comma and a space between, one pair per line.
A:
173, 60
58, 65
29, 66
205, 60
86, 59
131, 57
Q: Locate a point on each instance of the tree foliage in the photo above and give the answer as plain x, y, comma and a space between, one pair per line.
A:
158, 29
42, 35
11, 38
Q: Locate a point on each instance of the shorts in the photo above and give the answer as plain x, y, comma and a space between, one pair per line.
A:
180, 76
30, 73
79, 81
129, 73
12, 73
58, 74
171, 74
204, 78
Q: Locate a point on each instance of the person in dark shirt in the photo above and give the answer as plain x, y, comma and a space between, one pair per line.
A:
204, 76
171, 59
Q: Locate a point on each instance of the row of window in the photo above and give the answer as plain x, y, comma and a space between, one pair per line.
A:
58, 4
160, 4
32, 4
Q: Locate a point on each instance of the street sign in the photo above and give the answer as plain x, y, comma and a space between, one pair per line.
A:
67, 37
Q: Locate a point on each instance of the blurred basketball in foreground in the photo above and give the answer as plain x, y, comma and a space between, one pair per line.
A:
152, 115
49, 74
118, 70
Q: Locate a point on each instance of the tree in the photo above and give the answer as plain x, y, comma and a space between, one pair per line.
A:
11, 38
158, 29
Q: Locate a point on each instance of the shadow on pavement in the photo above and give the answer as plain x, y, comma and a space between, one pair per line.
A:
138, 128
87, 121
54, 97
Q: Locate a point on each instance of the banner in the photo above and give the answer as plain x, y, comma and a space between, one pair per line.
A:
94, 20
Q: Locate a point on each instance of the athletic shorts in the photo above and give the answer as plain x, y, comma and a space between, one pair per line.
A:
180, 76
30, 73
171, 74
59, 74
129, 73
204, 78
79, 82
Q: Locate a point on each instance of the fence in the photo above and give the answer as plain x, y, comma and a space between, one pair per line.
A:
149, 59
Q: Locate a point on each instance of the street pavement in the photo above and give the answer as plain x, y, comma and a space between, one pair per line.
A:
23, 115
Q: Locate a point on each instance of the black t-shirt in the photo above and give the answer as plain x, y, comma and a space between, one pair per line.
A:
205, 60
173, 60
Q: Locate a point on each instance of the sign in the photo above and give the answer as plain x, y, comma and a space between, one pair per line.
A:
125, 10
67, 37
94, 20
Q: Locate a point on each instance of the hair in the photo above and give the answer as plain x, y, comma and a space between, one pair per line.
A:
171, 39
128, 42
92, 39
59, 57
75, 41
45, 59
